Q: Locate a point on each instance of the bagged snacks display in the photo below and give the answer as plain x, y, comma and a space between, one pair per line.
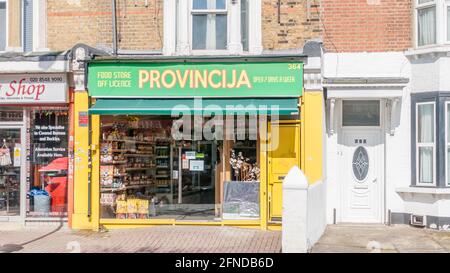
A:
132, 208
121, 210
143, 209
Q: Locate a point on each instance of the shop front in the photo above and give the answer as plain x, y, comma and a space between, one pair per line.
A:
34, 152
180, 143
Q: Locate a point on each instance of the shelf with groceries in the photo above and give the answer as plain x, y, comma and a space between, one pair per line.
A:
127, 189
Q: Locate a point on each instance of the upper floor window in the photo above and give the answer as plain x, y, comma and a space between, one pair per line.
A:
2, 25
426, 22
17, 28
209, 25
447, 11
212, 27
27, 25
432, 22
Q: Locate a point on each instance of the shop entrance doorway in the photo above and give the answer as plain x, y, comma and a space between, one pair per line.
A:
283, 156
193, 180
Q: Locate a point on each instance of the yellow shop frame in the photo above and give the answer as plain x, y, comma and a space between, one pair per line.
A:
87, 168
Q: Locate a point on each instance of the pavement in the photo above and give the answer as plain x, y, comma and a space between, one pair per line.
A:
164, 239
179, 239
382, 239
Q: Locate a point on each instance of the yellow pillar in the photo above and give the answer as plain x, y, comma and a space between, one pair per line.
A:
312, 135
95, 177
264, 212
80, 217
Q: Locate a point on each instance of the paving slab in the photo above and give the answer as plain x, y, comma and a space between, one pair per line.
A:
165, 239
382, 239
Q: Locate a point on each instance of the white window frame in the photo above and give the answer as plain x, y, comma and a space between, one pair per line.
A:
425, 145
418, 7
447, 143
193, 12
39, 27
441, 7
178, 35
446, 21
7, 26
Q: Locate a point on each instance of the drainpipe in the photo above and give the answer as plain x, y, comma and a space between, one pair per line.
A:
114, 26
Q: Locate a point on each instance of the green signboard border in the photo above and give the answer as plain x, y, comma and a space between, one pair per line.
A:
266, 90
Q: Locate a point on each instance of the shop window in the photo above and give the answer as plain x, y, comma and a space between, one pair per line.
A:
209, 25
10, 171
2, 25
11, 115
361, 113
426, 143
145, 173
49, 164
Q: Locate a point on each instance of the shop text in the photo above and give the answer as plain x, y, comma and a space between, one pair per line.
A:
31, 88
168, 79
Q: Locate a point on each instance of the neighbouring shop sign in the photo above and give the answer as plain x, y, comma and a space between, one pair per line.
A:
141, 80
33, 89
49, 136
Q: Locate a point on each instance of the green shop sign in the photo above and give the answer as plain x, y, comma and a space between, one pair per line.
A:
220, 80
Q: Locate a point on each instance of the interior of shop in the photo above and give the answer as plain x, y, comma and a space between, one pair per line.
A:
47, 187
10, 172
146, 174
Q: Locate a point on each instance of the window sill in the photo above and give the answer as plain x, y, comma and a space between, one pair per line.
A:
423, 190
429, 50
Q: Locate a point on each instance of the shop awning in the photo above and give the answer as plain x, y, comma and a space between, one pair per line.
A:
168, 107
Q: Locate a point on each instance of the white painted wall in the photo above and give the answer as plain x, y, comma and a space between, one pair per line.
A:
34, 67
386, 64
304, 220
317, 222
397, 146
430, 72
398, 154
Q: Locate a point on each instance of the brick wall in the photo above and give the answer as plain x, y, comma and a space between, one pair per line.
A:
141, 28
290, 24
367, 25
70, 22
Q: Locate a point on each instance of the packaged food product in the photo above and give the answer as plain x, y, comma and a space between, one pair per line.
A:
132, 208
143, 206
121, 207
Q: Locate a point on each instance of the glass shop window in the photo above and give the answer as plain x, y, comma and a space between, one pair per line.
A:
49, 162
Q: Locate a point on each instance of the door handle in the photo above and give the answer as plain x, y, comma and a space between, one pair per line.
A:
375, 180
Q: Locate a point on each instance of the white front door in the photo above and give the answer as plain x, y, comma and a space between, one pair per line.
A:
361, 176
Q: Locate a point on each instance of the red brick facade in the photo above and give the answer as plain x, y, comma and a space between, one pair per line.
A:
367, 25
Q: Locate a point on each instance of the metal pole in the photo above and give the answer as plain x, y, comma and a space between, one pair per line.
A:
114, 26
